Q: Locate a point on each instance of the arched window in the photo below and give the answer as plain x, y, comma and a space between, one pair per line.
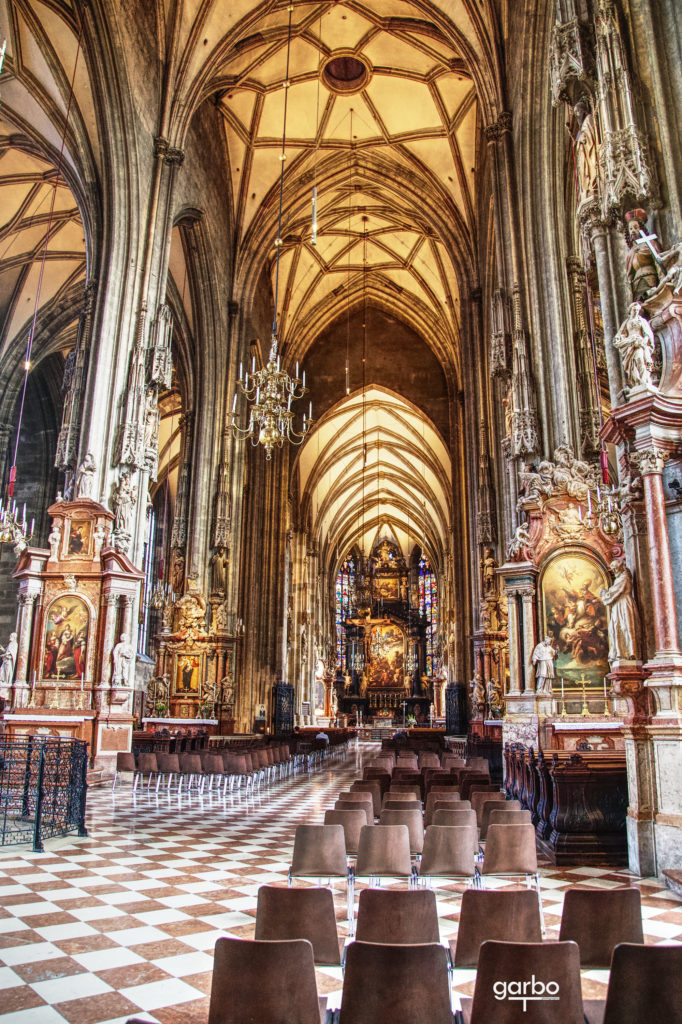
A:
345, 592
428, 607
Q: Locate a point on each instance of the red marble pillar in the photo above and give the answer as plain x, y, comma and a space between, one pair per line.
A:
651, 462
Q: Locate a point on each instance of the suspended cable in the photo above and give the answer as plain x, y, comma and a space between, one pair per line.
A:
282, 157
350, 217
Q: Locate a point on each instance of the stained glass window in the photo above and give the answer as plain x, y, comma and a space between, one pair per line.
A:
428, 607
345, 591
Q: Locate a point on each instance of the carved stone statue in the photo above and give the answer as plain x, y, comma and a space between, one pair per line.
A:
219, 564
624, 630
519, 542
53, 540
99, 536
167, 616
7, 665
125, 499
586, 150
635, 342
537, 481
85, 478
478, 695
219, 623
123, 655
570, 474
488, 567
543, 658
190, 610
495, 697
177, 571
640, 264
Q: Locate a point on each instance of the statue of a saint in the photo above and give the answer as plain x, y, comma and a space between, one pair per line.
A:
478, 695
495, 699
488, 566
635, 342
543, 660
640, 265
177, 572
125, 499
586, 149
99, 536
623, 614
85, 480
519, 541
219, 564
7, 665
53, 540
123, 655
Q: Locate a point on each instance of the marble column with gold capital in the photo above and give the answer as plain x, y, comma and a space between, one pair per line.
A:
650, 462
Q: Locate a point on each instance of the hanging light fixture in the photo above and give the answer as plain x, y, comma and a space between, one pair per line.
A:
13, 527
271, 390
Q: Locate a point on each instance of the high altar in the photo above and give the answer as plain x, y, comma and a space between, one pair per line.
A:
385, 645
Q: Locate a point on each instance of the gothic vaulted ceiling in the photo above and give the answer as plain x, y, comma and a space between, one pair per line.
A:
381, 120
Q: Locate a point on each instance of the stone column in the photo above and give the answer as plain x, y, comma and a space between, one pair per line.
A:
597, 234
24, 628
127, 626
528, 630
513, 627
109, 636
650, 462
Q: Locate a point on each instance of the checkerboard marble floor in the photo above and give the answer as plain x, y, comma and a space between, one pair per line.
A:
124, 922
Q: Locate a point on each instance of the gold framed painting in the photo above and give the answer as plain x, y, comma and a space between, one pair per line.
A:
65, 645
78, 542
574, 616
387, 588
387, 658
188, 674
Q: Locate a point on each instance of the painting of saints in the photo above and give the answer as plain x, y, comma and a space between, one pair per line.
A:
575, 617
79, 538
66, 638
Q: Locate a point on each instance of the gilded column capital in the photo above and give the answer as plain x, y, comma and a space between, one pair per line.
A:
651, 460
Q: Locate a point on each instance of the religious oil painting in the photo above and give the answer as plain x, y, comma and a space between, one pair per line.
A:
66, 638
387, 658
79, 538
187, 675
576, 619
387, 588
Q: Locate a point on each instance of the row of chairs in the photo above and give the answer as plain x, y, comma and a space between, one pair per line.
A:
275, 981
223, 770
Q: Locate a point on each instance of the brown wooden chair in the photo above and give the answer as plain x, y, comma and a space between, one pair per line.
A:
320, 852
503, 816
645, 984
363, 805
168, 768
352, 820
600, 919
414, 819
481, 797
510, 851
399, 804
373, 788
547, 972
125, 762
491, 806
146, 765
440, 800
300, 914
395, 984
405, 916
384, 852
407, 789
449, 852
508, 916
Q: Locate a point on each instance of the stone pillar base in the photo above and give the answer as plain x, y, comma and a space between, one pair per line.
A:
641, 846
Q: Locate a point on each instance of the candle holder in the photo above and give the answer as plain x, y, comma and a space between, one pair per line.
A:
83, 701
563, 713
32, 698
585, 711
55, 696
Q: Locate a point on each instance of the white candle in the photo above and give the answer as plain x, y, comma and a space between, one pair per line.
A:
562, 688
240, 371
604, 687
82, 674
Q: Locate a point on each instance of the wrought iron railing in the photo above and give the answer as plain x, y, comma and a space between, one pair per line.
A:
42, 789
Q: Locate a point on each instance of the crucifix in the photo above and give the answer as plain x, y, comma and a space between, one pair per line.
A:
647, 240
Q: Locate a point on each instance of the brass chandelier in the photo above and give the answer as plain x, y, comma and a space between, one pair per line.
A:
271, 390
